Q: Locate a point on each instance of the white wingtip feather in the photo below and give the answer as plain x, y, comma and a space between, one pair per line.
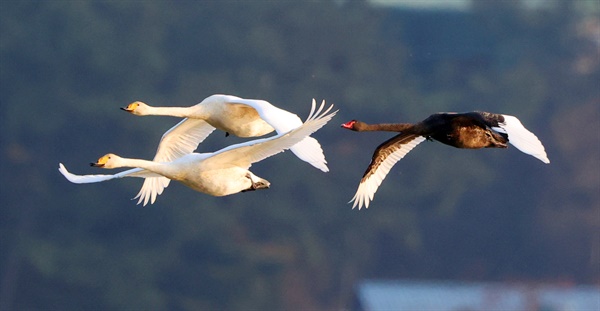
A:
523, 139
83, 179
309, 150
63, 170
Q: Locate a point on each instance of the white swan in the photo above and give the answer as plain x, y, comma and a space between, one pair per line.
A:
220, 173
180, 140
240, 117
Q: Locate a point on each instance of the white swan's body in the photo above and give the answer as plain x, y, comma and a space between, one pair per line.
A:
220, 173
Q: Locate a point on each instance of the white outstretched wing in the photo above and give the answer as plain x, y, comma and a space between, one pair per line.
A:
309, 150
522, 138
281, 120
86, 179
181, 139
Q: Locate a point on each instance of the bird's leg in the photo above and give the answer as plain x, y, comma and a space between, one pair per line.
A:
255, 185
252, 188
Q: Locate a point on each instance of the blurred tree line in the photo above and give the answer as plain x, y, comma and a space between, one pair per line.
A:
442, 213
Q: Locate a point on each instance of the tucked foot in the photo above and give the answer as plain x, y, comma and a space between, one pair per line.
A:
258, 184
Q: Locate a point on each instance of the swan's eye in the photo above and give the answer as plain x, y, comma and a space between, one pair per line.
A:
132, 106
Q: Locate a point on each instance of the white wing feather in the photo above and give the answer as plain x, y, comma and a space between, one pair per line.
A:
244, 154
86, 179
522, 138
181, 139
281, 120
308, 150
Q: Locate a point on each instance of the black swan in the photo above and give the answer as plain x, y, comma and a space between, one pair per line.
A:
470, 130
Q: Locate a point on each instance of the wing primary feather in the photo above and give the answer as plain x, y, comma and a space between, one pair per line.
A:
179, 140
384, 158
523, 139
86, 179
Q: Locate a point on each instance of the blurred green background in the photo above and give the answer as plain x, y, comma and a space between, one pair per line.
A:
442, 213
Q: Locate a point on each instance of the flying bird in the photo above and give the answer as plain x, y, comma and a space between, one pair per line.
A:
220, 173
470, 130
238, 116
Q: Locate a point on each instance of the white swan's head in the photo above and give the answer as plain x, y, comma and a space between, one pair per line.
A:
108, 161
138, 108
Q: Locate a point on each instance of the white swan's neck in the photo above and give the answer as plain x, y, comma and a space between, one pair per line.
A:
182, 112
156, 167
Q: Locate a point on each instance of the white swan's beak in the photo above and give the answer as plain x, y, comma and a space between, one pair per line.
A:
101, 162
131, 107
